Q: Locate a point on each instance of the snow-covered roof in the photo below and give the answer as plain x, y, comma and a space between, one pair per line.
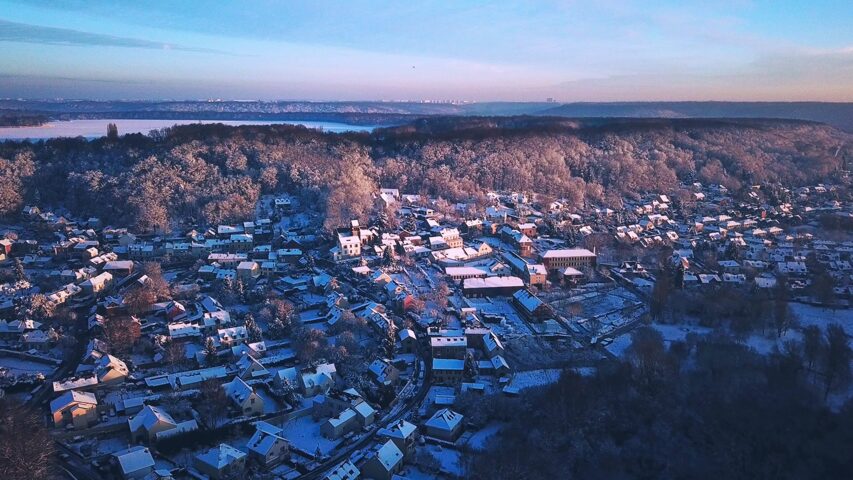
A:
569, 252
221, 456
445, 419
265, 437
134, 459
148, 417
389, 455
71, 397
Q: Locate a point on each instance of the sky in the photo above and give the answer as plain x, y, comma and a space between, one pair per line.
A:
569, 50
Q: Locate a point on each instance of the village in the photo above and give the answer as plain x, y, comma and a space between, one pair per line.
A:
277, 349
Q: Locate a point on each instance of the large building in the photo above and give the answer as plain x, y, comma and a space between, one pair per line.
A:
491, 286
572, 257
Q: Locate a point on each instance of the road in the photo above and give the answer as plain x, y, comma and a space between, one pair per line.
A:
74, 465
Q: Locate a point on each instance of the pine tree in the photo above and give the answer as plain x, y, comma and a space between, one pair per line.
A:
210, 352
470, 369
252, 328
389, 343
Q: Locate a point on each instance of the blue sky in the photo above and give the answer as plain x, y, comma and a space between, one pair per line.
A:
604, 50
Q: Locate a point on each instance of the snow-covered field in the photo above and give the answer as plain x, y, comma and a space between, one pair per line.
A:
535, 378
304, 433
450, 460
811, 315
20, 366
619, 344
480, 439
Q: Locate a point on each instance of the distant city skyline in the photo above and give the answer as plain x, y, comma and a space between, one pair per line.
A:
608, 50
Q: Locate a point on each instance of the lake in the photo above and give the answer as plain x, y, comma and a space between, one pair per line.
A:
98, 128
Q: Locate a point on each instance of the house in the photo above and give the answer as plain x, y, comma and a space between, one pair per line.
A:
36, 339
75, 408
121, 268
248, 270
451, 237
461, 273
344, 471
365, 414
244, 397
268, 447
334, 402
149, 422
447, 371
97, 284
384, 373
338, 426
384, 462
491, 286
572, 257
135, 462
519, 240
408, 340
403, 434
448, 347
110, 369
350, 241
228, 337
318, 379
492, 346
445, 425
221, 462
528, 229
530, 306
533, 274
250, 368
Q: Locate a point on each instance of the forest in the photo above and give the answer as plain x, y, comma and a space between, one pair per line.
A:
214, 173
700, 409
12, 118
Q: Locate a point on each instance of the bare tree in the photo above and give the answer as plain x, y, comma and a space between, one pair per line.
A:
836, 371
122, 332
26, 449
812, 345
214, 403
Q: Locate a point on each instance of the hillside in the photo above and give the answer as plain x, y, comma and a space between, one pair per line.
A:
215, 173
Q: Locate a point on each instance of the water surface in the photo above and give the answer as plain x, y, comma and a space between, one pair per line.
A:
98, 128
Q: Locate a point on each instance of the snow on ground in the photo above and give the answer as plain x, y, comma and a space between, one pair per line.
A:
586, 371
411, 472
513, 324
678, 333
437, 390
811, 315
619, 344
304, 433
20, 366
450, 460
271, 405
766, 344
535, 378
106, 445
480, 439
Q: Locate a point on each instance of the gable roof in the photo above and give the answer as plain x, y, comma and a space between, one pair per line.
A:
221, 456
388, 455
265, 437
148, 417
71, 397
134, 459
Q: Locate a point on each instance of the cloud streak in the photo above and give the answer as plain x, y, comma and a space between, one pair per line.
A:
38, 34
